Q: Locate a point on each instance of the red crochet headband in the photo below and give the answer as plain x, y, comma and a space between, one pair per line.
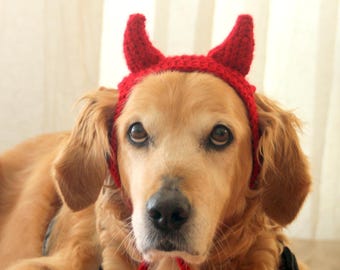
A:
230, 61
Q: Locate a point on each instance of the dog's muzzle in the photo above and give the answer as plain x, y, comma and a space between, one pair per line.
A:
167, 211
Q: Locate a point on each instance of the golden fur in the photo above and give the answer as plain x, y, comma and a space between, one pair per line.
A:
65, 175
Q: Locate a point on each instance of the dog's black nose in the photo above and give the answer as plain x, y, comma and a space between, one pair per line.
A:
168, 209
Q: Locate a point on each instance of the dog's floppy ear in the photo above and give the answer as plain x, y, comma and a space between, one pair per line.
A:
81, 166
284, 176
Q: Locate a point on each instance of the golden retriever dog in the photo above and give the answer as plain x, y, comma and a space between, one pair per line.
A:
160, 181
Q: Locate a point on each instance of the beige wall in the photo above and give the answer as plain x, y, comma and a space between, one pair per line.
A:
49, 56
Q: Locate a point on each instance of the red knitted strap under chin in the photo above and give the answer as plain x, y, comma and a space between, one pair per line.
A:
181, 264
143, 266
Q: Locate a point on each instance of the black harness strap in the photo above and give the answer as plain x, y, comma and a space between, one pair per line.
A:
288, 260
45, 246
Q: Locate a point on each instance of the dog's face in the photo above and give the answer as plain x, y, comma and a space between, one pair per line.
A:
184, 153
184, 157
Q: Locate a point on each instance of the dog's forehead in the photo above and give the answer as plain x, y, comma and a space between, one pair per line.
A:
179, 93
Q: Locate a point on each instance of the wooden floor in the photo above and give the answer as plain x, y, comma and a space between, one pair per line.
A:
318, 255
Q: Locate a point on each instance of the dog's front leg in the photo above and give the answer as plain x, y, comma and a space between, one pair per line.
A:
264, 253
113, 233
73, 244
57, 262
113, 255
113, 260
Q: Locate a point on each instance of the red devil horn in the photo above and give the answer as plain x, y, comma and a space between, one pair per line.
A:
236, 51
139, 52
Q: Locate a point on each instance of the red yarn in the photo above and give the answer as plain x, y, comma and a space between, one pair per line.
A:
181, 264
236, 51
230, 61
143, 266
138, 46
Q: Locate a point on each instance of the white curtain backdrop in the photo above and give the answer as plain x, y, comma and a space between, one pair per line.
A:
49, 55
53, 51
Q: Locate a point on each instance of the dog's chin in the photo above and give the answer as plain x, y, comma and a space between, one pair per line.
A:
155, 255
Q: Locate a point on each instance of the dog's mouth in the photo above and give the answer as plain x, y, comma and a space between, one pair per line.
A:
167, 245
166, 242
171, 246
154, 255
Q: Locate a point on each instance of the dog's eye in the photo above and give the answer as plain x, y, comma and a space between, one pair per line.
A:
137, 134
220, 136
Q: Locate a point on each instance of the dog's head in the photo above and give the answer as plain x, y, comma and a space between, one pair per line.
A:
184, 154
